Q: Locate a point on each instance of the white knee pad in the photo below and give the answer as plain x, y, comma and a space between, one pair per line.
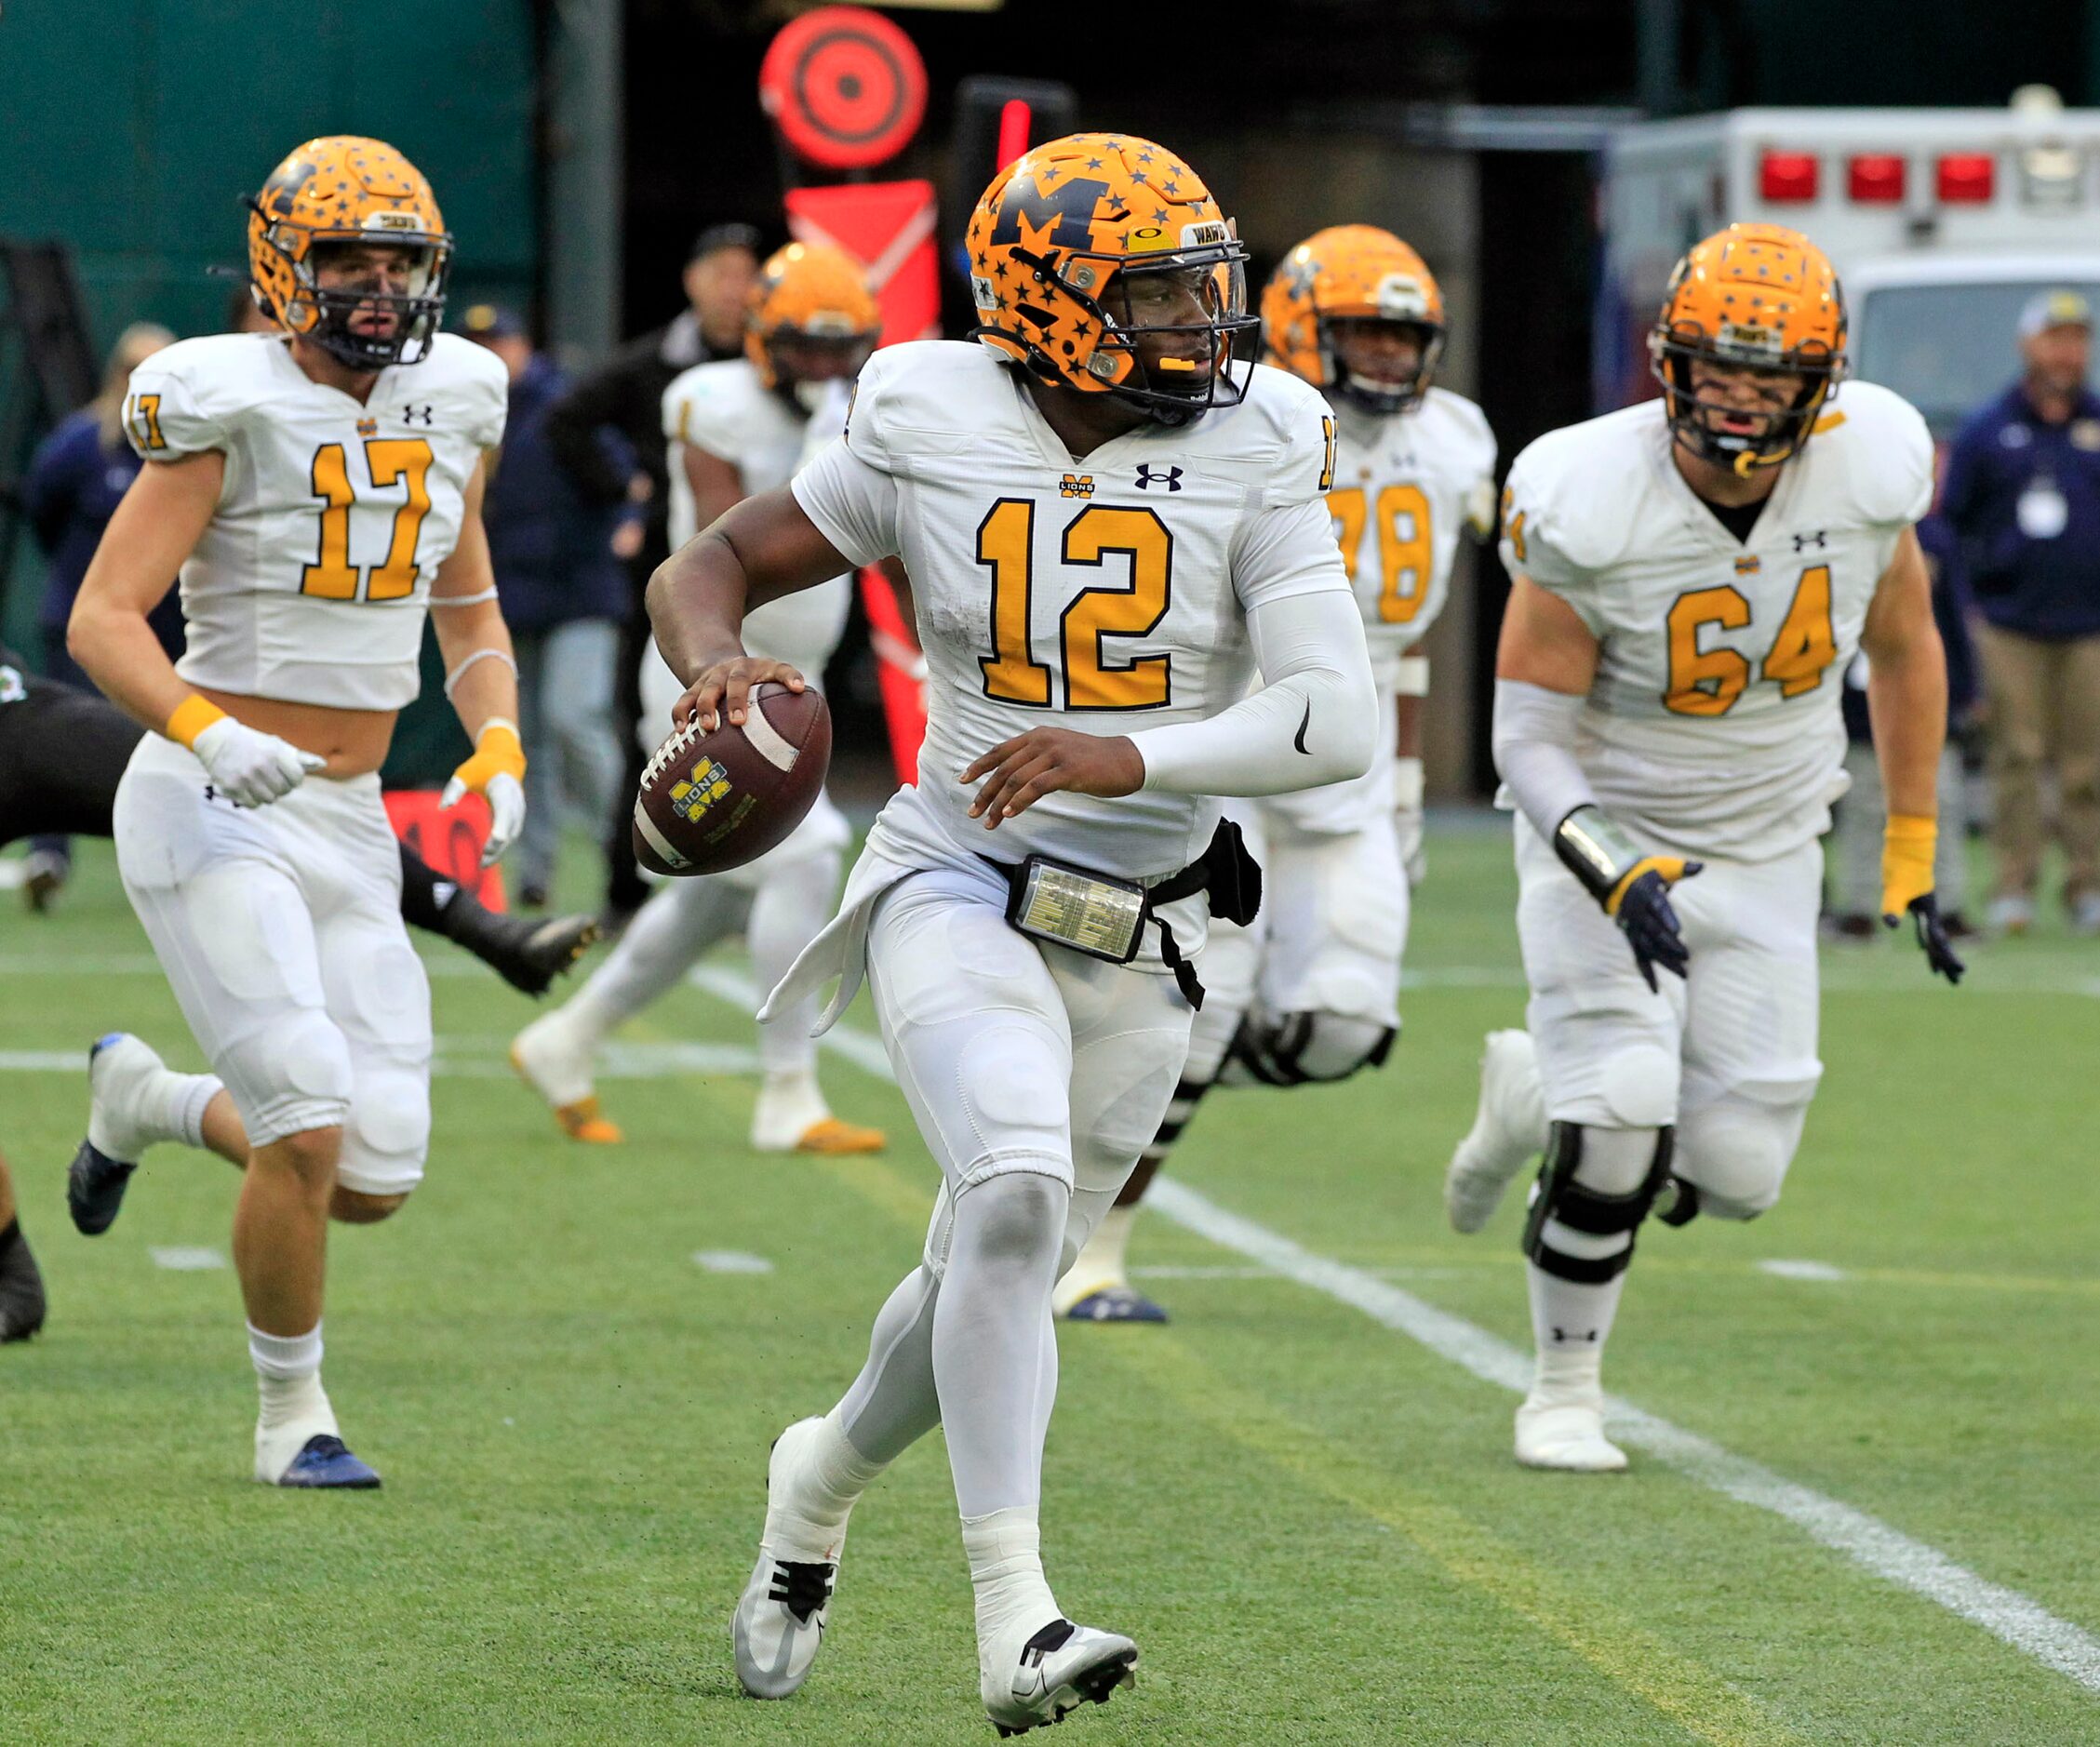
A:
1735, 1152
387, 1135
292, 1077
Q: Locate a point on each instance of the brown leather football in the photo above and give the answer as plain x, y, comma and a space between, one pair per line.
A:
712, 802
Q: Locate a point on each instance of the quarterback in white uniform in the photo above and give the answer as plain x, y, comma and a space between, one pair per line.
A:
1107, 527
1691, 578
318, 490
737, 427
1310, 992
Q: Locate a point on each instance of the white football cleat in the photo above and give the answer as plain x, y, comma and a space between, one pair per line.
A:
1056, 1668
780, 1620
552, 1057
1509, 1130
1557, 1433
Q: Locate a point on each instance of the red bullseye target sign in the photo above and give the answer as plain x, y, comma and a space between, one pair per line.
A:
845, 87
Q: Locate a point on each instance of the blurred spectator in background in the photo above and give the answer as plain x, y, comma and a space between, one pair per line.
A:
564, 595
75, 482
626, 394
1855, 839
2023, 496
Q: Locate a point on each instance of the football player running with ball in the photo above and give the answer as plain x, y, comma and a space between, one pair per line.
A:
316, 495
1311, 992
735, 427
1108, 527
1690, 578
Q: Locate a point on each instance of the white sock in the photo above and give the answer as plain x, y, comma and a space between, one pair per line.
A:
1005, 1569
187, 1097
288, 1376
1570, 1322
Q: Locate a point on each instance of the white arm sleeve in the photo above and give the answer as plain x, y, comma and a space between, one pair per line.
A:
1534, 730
1315, 720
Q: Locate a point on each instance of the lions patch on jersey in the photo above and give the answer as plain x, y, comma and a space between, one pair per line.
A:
1101, 594
311, 580
1713, 722
1404, 488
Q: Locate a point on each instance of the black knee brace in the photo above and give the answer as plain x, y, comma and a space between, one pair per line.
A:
1581, 1208
1274, 1053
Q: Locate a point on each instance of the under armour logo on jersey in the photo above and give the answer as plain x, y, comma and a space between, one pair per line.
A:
1803, 542
418, 415
1171, 477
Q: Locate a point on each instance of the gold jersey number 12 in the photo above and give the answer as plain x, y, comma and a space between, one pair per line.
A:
1006, 540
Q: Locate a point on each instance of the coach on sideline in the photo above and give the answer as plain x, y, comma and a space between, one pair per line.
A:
2023, 495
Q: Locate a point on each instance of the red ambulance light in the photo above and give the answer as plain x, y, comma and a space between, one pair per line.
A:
1783, 176
1966, 177
1876, 178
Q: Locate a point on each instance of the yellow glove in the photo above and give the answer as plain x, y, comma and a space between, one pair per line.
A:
1906, 862
496, 772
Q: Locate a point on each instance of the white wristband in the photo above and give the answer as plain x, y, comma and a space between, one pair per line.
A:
487, 594
1410, 676
503, 656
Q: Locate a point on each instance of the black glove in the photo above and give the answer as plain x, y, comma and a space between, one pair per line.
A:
1939, 952
1648, 921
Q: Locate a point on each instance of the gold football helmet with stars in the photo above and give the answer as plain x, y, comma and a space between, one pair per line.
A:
1063, 249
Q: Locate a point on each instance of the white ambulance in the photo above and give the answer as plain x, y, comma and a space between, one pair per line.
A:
1942, 223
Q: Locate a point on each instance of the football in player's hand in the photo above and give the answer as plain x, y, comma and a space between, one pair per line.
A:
712, 802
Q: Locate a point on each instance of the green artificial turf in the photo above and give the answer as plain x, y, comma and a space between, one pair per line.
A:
1311, 1524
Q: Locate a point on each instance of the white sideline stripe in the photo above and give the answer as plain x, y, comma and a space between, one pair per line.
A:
731, 1261
183, 1259
1837, 980
2013, 1618
1866, 1540
1788, 1269
857, 1047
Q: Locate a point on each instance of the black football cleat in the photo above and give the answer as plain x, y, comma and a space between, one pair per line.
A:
325, 1462
529, 953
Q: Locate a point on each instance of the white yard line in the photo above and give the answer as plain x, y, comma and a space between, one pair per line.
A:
731, 1261
184, 1260
1788, 1269
1866, 1540
1868, 1543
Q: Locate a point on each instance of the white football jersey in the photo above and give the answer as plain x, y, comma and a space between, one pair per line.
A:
1101, 595
725, 410
1713, 723
311, 580
1404, 486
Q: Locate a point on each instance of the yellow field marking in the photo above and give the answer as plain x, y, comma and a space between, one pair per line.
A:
1690, 1694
